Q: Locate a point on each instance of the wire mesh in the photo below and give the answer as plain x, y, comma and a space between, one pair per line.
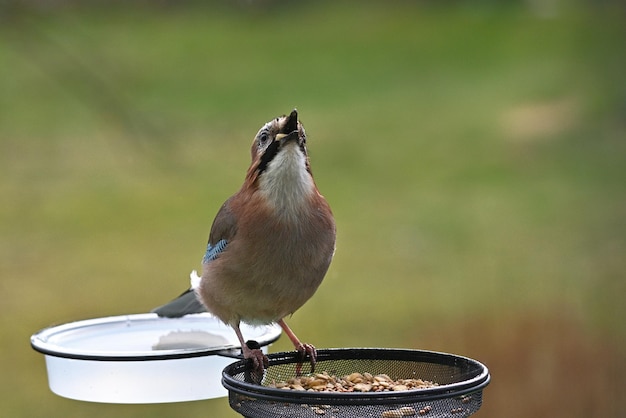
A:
460, 382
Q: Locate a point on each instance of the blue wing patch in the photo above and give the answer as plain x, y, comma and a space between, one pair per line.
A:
213, 251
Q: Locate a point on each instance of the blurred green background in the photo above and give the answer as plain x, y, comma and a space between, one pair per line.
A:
474, 155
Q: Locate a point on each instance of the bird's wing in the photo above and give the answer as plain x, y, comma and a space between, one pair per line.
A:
213, 251
222, 232
223, 229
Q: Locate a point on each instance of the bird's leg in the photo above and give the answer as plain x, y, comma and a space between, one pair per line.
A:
259, 360
303, 349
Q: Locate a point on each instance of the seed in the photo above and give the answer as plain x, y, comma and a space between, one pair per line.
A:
354, 378
363, 387
425, 410
407, 411
392, 413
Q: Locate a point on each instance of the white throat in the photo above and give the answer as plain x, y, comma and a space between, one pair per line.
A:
286, 183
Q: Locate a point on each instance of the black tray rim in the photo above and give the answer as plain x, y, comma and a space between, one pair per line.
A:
39, 342
459, 389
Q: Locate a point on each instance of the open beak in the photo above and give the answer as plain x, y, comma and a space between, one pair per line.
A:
293, 135
289, 131
292, 122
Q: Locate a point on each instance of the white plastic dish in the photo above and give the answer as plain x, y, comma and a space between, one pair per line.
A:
142, 358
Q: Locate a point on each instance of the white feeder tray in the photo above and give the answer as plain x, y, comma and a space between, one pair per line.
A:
143, 358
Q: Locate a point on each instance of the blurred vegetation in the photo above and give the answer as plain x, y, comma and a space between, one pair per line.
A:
473, 153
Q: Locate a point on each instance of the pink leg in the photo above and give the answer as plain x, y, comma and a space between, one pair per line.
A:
303, 349
259, 360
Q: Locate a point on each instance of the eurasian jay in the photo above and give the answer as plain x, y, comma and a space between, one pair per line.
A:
270, 244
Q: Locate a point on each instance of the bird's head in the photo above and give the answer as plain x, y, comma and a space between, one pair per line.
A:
275, 137
280, 163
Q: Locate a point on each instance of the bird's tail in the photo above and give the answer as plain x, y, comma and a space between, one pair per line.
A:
185, 304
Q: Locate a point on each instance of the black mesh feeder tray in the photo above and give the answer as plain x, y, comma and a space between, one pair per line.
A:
359, 383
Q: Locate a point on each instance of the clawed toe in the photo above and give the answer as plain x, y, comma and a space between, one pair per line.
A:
304, 350
257, 361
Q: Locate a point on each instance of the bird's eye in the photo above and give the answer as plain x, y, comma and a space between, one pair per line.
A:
263, 137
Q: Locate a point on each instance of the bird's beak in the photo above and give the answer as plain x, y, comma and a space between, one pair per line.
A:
293, 135
292, 122
289, 130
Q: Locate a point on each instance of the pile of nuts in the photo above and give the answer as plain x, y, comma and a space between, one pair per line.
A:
355, 382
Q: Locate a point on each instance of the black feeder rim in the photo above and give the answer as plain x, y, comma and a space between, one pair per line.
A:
470, 376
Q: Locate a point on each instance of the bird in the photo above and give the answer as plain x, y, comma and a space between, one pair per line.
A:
270, 244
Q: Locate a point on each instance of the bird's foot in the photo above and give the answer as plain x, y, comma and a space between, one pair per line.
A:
304, 350
257, 360
252, 351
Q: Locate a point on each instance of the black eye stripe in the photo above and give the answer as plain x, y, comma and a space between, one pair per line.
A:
268, 155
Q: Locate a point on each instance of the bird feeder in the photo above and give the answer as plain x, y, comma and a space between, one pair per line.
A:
454, 390
142, 358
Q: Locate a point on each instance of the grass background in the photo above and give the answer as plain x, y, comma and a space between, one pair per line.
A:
473, 154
